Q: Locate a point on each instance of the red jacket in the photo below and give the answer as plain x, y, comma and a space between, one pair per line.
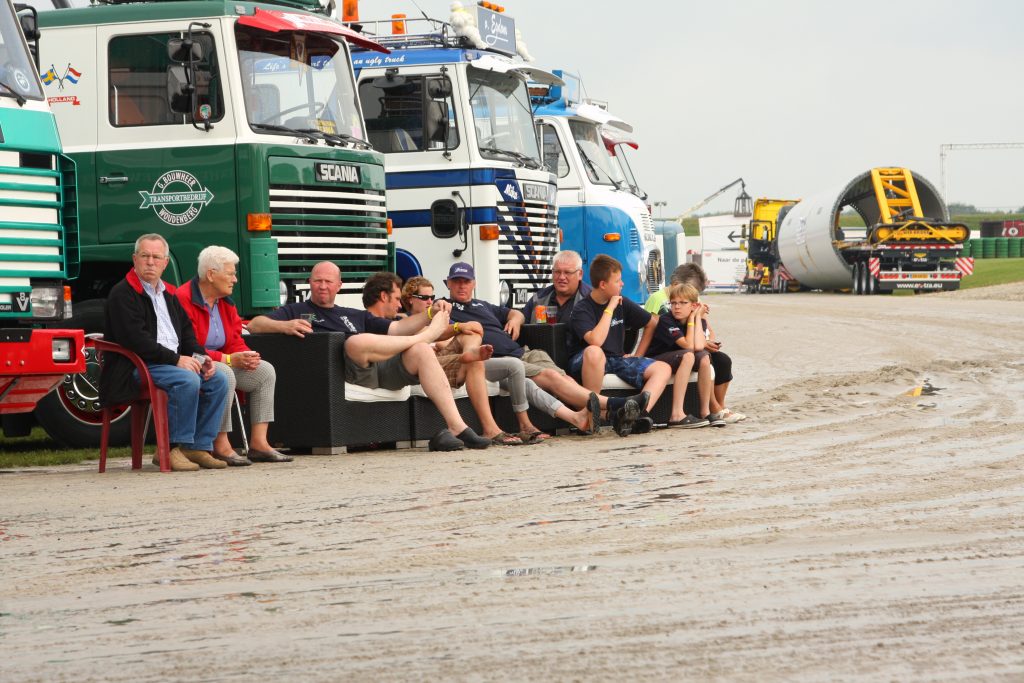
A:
192, 301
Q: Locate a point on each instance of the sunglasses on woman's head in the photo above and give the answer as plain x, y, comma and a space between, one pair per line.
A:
422, 297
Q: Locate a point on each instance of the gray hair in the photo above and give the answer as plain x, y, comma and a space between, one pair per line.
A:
568, 255
149, 237
215, 258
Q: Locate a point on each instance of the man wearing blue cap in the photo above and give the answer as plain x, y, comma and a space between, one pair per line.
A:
501, 329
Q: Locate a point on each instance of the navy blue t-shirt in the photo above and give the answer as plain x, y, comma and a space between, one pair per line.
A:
493, 319
586, 314
666, 335
336, 319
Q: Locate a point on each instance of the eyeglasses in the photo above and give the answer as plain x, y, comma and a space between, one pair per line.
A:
681, 303
565, 273
422, 297
155, 257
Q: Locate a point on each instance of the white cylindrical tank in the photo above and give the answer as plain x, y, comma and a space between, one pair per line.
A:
808, 232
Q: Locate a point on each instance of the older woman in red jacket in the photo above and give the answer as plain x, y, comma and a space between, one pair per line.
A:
218, 328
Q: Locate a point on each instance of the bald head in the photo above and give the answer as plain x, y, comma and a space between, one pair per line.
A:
324, 284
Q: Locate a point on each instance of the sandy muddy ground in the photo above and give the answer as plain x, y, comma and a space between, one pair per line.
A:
844, 532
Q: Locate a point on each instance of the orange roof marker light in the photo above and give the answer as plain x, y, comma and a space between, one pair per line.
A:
398, 24
350, 10
494, 7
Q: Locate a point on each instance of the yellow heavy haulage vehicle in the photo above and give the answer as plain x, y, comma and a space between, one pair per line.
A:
906, 241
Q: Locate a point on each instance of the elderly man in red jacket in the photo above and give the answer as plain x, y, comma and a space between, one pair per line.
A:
143, 315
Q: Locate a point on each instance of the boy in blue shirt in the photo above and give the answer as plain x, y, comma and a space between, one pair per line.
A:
597, 338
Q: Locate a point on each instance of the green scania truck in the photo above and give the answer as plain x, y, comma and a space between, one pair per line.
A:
209, 122
38, 238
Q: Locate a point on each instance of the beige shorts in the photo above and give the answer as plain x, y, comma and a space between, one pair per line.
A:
448, 357
536, 361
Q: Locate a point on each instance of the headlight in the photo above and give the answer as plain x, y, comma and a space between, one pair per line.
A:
282, 292
46, 301
505, 293
61, 351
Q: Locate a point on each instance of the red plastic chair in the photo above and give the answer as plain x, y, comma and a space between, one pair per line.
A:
149, 396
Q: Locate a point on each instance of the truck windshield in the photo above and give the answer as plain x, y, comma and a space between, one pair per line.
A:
600, 168
17, 71
502, 116
297, 81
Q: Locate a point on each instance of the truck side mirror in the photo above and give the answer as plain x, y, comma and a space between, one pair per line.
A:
30, 25
184, 51
439, 88
435, 122
179, 90
444, 218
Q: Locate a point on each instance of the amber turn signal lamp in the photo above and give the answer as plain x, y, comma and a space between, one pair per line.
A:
258, 222
488, 232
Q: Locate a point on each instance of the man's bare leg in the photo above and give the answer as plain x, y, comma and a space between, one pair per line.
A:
364, 349
421, 362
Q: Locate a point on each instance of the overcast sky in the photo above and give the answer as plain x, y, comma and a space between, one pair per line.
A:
795, 96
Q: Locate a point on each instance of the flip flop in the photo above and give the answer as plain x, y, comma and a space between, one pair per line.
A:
594, 406
533, 437
504, 439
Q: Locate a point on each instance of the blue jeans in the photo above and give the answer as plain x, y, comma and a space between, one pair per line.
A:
630, 370
194, 405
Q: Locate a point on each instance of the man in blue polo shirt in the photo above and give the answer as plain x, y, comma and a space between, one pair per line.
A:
379, 353
501, 327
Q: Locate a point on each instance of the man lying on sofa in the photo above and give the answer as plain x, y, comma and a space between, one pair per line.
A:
379, 353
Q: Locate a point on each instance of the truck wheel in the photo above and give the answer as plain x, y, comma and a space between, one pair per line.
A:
865, 279
872, 284
71, 412
856, 279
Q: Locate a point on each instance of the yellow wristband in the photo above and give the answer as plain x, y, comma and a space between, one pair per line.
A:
607, 312
430, 314
227, 358
455, 328
689, 324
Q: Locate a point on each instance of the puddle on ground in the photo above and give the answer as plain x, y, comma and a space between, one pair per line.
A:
544, 571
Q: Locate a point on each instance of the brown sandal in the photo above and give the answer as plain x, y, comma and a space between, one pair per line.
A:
504, 439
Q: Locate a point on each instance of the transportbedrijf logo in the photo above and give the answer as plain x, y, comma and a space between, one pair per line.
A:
177, 198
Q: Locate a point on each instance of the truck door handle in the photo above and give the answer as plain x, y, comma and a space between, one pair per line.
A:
113, 180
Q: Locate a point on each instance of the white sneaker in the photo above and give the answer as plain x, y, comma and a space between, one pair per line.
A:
731, 417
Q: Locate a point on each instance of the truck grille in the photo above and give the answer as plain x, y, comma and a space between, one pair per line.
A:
655, 271
346, 225
31, 200
527, 243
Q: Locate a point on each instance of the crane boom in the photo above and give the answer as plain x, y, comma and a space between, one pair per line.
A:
704, 202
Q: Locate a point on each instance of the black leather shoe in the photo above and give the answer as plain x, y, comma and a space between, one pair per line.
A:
643, 425
444, 440
624, 418
473, 440
268, 456
234, 460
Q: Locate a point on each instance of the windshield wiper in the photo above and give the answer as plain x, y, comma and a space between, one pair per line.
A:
285, 129
525, 159
17, 95
353, 139
336, 139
